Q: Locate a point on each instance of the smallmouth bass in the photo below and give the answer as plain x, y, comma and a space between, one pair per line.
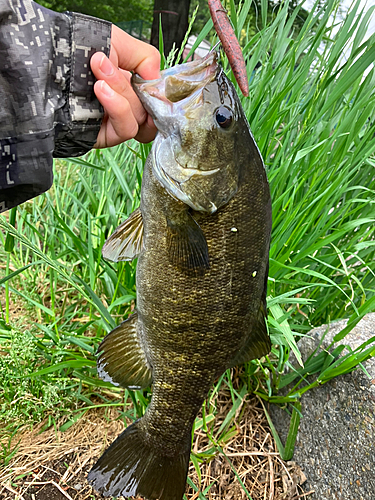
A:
202, 236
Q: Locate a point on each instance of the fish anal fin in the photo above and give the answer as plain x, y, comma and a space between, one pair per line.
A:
258, 342
131, 466
126, 243
187, 246
122, 360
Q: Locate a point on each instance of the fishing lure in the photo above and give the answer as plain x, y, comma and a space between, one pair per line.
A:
230, 44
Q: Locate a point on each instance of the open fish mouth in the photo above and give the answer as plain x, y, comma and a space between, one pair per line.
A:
186, 152
172, 93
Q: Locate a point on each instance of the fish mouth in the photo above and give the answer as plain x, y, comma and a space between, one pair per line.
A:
177, 86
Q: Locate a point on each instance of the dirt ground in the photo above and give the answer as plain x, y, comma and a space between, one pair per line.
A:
53, 465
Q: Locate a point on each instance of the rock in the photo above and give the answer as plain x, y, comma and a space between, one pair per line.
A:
335, 445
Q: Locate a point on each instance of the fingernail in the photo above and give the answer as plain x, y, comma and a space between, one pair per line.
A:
106, 89
106, 66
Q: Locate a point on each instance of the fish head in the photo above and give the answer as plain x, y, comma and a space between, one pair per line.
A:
202, 131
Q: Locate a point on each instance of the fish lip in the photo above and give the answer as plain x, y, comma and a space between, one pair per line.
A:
195, 74
189, 68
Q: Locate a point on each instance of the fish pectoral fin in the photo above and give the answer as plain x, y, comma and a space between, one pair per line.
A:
257, 344
133, 466
187, 246
122, 361
126, 243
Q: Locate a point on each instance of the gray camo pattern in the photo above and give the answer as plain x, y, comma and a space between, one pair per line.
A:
48, 106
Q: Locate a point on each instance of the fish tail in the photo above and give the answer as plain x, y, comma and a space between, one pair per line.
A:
131, 467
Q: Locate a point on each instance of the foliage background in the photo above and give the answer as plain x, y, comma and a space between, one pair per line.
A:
118, 11
111, 10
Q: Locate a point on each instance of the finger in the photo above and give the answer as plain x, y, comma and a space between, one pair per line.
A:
119, 81
134, 55
119, 123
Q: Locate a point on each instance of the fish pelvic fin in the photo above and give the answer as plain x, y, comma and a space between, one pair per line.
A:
187, 246
131, 467
122, 360
126, 243
258, 343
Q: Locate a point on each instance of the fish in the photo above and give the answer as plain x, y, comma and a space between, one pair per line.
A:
231, 46
201, 236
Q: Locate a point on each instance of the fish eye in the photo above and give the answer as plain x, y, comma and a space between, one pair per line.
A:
224, 117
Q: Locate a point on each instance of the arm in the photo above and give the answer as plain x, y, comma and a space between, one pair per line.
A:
46, 107
49, 108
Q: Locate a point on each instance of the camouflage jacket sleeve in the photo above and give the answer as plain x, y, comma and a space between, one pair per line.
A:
48, 106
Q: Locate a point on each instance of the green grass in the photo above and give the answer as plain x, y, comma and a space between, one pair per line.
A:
312, 113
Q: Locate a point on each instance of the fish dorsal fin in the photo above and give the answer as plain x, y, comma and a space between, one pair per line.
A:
126, 243
187, 246
122, 360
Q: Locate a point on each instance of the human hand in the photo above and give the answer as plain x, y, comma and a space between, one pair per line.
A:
124, 115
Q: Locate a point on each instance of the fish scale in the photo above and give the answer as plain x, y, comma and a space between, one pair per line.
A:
200, 302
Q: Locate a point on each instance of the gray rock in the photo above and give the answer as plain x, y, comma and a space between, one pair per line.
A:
335, 445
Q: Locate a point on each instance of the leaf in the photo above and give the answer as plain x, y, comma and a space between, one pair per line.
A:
304, 152
19, 271
84, 163
284, 328
125, 299
355, 318
202, 35
286, 452
293, 431
70, 364
69, 423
